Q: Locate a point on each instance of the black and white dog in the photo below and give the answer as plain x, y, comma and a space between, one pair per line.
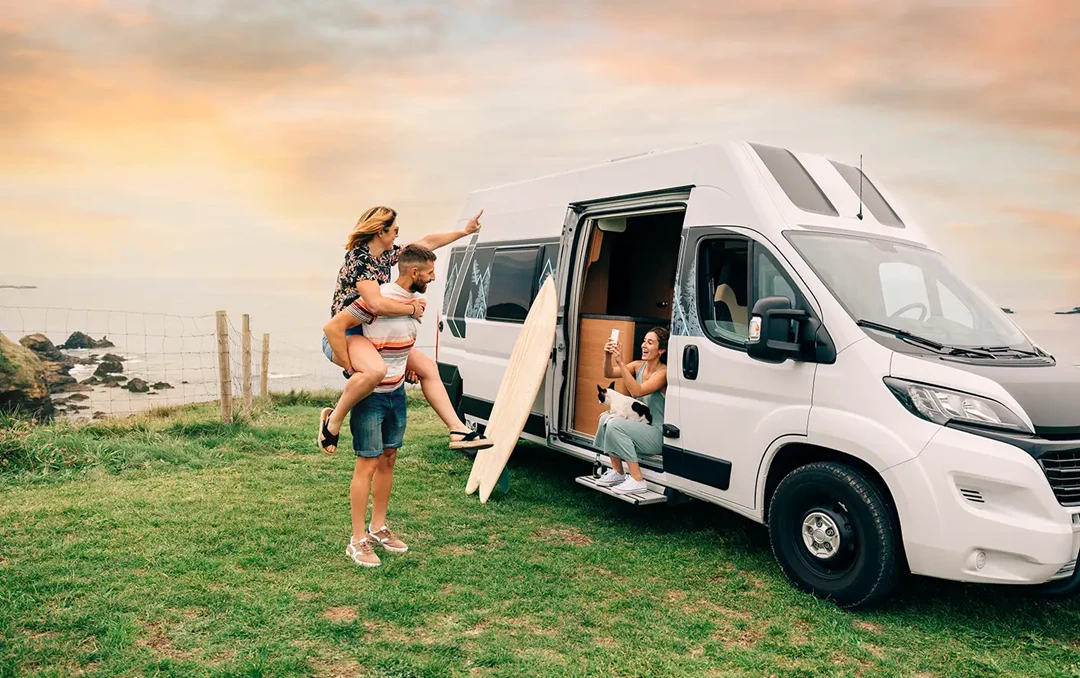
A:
623, 406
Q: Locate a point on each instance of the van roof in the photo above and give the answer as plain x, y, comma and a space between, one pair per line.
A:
776, 187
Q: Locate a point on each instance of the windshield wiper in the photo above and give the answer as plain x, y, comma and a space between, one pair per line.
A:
1009, 349
923, 341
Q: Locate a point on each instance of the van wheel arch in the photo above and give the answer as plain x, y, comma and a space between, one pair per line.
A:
794, 455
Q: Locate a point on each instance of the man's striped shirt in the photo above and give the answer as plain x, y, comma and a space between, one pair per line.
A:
393, 337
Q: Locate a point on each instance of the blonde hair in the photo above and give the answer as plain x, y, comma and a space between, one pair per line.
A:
372, 222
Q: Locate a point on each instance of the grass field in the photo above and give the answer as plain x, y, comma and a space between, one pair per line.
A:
172, 544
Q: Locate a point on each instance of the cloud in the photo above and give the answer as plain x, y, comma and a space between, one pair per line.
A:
1015, 62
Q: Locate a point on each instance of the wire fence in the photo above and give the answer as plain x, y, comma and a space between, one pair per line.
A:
106, 363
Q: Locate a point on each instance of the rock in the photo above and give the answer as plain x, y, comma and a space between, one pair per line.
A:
75, 387
137, 385
79, 396
100, 415
22, 381
183, 382
43, 348
161, 385
113, 380
1075, 311
92, 381
112, 358
108, 367
88, 360
81, 340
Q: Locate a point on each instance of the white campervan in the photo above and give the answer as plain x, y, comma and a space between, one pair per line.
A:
830, 375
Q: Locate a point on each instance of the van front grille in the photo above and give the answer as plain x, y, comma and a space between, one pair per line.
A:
1062, 469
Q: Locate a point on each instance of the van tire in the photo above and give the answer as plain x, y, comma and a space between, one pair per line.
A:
857, 558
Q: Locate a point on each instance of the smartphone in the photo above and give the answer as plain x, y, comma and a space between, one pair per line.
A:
614, 334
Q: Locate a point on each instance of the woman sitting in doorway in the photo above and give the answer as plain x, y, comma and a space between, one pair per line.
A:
624, 440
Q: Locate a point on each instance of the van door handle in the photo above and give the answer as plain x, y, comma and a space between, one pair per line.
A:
690, 361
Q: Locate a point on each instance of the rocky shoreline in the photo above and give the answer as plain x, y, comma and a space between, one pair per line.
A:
35, 369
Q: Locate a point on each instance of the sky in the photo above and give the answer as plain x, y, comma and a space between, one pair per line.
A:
242, 139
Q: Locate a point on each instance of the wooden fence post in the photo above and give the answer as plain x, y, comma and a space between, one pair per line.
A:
265, 363
223, 367
246, 370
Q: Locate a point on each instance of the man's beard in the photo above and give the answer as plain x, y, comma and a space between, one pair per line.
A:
417, 286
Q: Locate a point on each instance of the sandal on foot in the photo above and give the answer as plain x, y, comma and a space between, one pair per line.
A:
326, 438
471, 440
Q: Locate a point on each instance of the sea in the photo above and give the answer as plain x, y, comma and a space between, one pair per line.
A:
165, 330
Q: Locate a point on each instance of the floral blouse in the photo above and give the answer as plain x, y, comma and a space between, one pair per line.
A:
360, 265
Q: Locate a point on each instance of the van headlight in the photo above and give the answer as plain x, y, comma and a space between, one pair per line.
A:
942, 405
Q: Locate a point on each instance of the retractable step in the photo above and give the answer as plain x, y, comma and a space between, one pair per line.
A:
647, 496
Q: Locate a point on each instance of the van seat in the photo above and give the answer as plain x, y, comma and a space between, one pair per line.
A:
726, 296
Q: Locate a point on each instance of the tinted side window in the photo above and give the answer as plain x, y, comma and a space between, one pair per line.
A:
472, 303
723, 289
513, 281
874, 201
453, 272
796, 182
549, 261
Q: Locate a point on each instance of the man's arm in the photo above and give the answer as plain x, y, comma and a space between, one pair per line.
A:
380, 305
434, 241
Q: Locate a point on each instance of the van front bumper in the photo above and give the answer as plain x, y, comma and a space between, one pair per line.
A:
980, 510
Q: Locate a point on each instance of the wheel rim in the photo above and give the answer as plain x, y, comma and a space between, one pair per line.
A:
825, 538
821, 535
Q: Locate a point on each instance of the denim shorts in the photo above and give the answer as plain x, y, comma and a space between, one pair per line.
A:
378, 423
329, 352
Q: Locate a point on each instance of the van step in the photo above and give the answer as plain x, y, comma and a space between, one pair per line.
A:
648, 496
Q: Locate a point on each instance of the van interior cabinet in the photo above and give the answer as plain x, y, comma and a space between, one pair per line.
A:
595, 331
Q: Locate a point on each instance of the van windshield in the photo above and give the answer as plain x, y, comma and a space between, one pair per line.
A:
908, 288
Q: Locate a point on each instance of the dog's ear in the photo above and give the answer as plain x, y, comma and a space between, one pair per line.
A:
642, 409
612, 387
599, 388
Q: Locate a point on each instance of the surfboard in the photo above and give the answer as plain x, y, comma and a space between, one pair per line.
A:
517, 392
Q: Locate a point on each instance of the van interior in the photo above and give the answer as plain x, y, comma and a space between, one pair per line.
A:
629, 285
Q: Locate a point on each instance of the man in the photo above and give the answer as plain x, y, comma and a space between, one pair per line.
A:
378, 421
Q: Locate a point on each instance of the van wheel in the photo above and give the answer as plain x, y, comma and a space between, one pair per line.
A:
833, 534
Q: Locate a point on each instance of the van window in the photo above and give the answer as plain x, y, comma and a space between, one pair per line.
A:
723, 289
795, 181
549, 261
453, 271
513, 284
475, 281
874, 201
903, 286
952, 308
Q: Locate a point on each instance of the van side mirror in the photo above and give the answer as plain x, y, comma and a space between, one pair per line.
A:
774, 334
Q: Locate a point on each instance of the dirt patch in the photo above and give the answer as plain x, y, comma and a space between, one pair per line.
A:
876, 650
340, 614
477, 629
157, 641
605, 642
569, 535
304, 596
712, 609
674, 596
346, 668
741, 635
868, 626
224, 657
456, 551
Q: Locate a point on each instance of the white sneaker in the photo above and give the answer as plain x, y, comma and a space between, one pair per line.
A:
630, 486
610, 477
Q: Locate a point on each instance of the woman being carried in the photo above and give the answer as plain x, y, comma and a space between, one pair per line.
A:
625, 440
370, 256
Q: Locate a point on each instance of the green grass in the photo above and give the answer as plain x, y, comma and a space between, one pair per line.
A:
171, 544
